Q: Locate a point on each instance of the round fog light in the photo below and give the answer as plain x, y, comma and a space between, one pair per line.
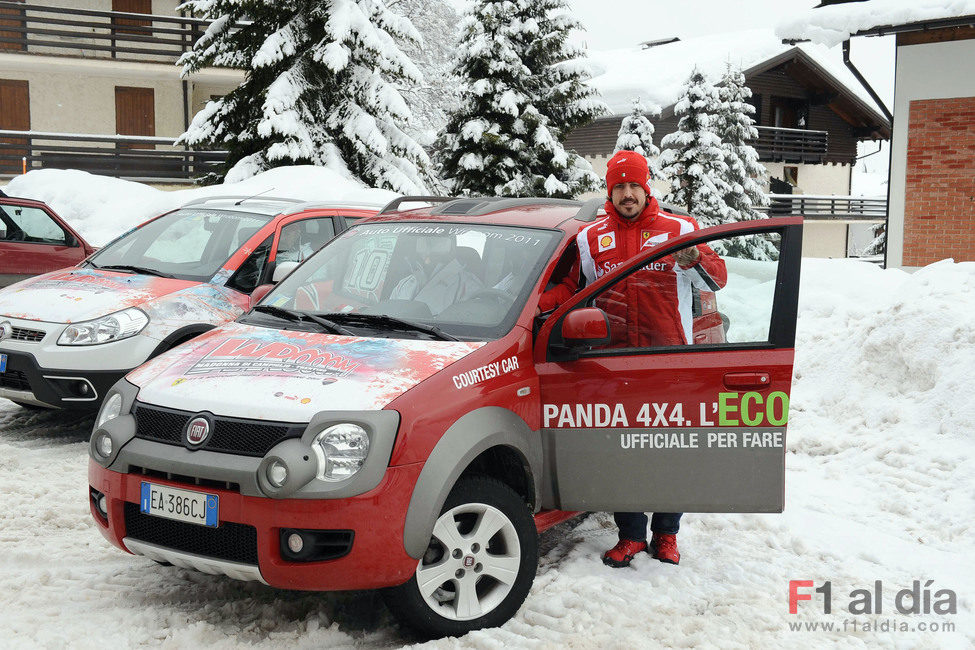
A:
295, 543
103, 505
277, 473
104, 445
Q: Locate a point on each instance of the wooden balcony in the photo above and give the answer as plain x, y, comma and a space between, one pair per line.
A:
827, 208
88, 33
130, 157
776, 144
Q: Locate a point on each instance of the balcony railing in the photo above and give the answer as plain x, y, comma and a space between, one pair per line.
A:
791, 145
88, 33
123, 156
827, 208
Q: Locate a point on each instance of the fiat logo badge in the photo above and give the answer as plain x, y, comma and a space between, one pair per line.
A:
6, 330
197, 431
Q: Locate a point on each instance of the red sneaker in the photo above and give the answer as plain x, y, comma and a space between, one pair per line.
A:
622, 554
664, 548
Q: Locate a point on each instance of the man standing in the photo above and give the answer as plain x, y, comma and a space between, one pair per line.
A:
651, 307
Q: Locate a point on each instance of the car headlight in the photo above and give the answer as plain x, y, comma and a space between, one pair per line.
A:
110, 410
114, 327
341, 450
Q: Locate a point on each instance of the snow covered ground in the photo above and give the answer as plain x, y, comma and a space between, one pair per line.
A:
880, 486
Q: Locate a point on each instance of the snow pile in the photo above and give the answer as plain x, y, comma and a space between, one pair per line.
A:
656, 75
100, 208
879, 487
834, 24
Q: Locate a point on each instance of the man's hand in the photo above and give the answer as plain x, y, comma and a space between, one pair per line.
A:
687, 256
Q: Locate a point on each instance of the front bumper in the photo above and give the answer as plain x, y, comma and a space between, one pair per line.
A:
375, 559
25, 381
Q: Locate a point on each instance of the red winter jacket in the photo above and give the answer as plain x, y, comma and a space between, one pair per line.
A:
651, 307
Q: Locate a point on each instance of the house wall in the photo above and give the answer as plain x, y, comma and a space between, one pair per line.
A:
941, 207
76, 94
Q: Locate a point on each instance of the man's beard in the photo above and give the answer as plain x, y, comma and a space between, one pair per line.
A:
631, 210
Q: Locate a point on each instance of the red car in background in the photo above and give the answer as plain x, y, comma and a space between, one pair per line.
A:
35, 240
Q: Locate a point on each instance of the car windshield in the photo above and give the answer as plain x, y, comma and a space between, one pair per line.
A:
190, 244
436, 280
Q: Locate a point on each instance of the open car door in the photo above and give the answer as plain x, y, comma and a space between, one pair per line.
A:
630, 424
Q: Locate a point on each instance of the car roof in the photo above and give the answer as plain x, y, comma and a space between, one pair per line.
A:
274, 205
565, 214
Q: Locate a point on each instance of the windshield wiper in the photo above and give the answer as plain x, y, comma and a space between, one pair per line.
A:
400, 323
299, 316
134, 269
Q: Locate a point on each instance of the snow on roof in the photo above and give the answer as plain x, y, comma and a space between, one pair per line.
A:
834, 24
657, 74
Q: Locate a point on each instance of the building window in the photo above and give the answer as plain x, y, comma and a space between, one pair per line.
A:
791, 175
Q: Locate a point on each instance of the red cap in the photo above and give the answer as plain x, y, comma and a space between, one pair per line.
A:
627, 167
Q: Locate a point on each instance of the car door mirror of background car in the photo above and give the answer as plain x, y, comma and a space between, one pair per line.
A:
282, 269
585, 327
258, 294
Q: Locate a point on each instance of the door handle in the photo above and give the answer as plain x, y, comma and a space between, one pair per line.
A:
748, 379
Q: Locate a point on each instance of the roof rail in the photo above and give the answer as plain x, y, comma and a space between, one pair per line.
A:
481, 205
240, 199
329, 205
590, 209
393, 205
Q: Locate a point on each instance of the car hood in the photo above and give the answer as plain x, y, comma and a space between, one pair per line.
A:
75, 295
252, 372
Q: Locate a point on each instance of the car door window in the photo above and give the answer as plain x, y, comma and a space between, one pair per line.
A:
35, 225
251, 271
720, 292
300, 239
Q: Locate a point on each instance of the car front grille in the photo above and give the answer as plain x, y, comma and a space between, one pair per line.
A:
26, 335
229, 435
229, 541
14, 380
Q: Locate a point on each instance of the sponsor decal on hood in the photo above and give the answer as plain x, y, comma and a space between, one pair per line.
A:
75, 295
253, 372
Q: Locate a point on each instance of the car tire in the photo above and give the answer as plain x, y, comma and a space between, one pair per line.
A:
479, 565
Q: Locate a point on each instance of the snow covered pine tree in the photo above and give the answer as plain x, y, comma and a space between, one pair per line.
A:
693, 158
500, 141
319, 89
437, 22
744, 175
636, 134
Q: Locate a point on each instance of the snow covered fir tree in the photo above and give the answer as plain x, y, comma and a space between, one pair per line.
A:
502, 139
561, 69
320, 88
636, 134
693, 158
745, 177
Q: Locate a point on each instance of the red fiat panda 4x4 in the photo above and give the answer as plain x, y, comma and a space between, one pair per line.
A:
393, 414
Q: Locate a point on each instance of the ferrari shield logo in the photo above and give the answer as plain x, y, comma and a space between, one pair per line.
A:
649, 240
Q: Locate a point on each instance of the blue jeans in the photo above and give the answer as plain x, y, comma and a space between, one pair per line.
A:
633, 525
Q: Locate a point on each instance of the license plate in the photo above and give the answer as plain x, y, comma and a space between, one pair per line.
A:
3, 363
178, 504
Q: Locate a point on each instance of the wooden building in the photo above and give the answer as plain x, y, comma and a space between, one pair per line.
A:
810, 115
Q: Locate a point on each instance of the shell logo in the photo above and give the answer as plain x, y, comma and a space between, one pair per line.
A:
605, 241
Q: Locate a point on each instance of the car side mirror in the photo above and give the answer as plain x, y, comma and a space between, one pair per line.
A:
282, 269
258, 294
585, 327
